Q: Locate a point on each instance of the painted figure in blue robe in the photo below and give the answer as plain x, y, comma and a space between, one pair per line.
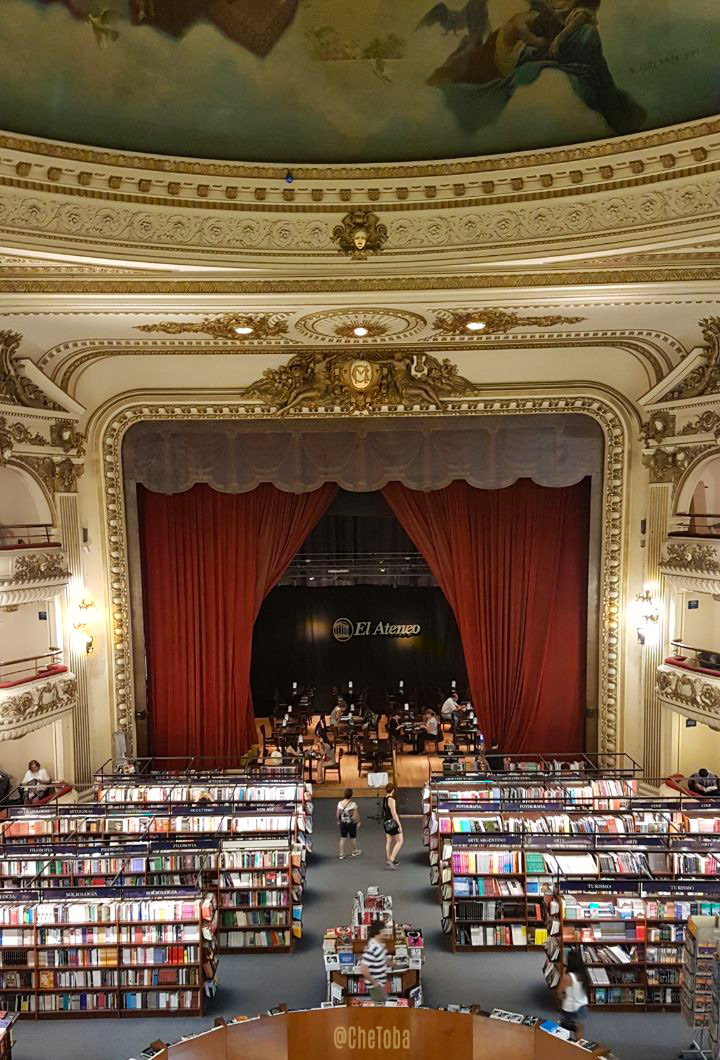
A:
482, 73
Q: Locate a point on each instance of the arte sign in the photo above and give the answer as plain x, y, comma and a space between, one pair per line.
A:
345, 629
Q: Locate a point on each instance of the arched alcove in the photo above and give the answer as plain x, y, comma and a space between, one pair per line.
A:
22, 498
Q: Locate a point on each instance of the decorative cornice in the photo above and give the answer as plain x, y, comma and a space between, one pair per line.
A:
28, 576
674, 134
81, 218
28, 707
39, 566
668, 463
114, 424
704, 379
359, 284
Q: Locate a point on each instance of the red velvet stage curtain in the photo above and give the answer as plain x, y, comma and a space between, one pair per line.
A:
209, 559
513, 565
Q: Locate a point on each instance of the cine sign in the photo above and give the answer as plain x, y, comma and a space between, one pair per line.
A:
344, 629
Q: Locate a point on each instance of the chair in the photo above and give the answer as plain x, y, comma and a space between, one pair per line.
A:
335, 768
436, 740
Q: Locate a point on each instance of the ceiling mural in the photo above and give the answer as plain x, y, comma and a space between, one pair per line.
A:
340, 81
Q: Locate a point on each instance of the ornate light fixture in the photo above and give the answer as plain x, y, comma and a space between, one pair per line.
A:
647, 616
84, 613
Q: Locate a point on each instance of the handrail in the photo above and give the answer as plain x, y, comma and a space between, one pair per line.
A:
692, 647
55, 654
28, 530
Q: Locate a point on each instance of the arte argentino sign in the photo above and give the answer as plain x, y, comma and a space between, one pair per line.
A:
345, 629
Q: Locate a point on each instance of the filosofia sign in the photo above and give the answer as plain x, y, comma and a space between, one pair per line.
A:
345, 629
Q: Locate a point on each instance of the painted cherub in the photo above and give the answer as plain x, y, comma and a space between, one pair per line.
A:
574, 13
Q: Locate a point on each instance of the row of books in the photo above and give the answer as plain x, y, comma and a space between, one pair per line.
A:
141, 793
640, 823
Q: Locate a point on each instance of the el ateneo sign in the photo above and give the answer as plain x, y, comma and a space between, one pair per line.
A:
345, 629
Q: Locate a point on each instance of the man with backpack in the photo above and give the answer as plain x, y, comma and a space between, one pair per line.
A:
348, 818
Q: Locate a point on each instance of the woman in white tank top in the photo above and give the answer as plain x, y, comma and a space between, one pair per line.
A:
574, 989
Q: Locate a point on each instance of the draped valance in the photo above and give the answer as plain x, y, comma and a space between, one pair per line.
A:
488, 452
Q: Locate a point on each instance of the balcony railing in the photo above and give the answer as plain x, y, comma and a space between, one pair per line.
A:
690, 524
28, 535
14, 671
702, 658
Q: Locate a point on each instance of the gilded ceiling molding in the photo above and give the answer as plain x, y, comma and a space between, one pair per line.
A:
674, 134
66, 362
110, 425
239, 327
359, 284
57, 474
693, 566
492, 321
157, 231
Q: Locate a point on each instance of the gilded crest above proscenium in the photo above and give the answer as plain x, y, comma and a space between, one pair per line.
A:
365, 322
360, 233
374, 381
238, 327
474, 322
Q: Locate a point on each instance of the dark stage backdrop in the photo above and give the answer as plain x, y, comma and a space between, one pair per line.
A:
294, 641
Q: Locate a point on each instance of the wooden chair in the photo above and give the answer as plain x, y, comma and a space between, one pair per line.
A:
336, 767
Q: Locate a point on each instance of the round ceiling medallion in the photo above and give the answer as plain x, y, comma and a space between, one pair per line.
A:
359, 325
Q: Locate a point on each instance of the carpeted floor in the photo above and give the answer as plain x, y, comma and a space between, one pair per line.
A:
251, 984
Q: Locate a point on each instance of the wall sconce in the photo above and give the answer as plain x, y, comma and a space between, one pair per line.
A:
647, 617
84, 613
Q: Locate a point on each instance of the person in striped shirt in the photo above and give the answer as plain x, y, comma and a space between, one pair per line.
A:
374, 964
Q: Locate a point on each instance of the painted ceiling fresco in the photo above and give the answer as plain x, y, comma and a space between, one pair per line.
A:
353, 80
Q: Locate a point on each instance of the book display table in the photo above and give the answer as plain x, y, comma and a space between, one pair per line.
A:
343, 948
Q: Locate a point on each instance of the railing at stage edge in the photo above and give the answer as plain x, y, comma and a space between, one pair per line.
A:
547, 764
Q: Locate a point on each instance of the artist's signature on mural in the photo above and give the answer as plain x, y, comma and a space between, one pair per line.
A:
666, 60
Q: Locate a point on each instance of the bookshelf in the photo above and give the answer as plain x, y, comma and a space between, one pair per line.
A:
493, 866
343, 948
260, 895
631, 944
254, 864
699, 952
101, 954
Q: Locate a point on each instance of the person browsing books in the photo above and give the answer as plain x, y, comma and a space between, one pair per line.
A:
394, 837
574, 990
348, 818
374, 964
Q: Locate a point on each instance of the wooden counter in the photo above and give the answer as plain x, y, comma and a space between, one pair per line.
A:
375, 1034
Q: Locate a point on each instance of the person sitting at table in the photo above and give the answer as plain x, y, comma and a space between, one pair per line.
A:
394, 728
449, 707
35, 784
430, 729
336, 713
703, 783
293, 747
327, 758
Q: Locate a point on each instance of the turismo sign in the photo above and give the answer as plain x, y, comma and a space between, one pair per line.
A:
344, 629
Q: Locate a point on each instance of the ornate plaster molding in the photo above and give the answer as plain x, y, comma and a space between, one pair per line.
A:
695, 695
111, 424
32, 575
49, 284
81, 218
692, 565
15, 387
28, 707
66, 361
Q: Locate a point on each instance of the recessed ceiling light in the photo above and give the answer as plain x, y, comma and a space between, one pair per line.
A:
360, 331
245, 329
475, 325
